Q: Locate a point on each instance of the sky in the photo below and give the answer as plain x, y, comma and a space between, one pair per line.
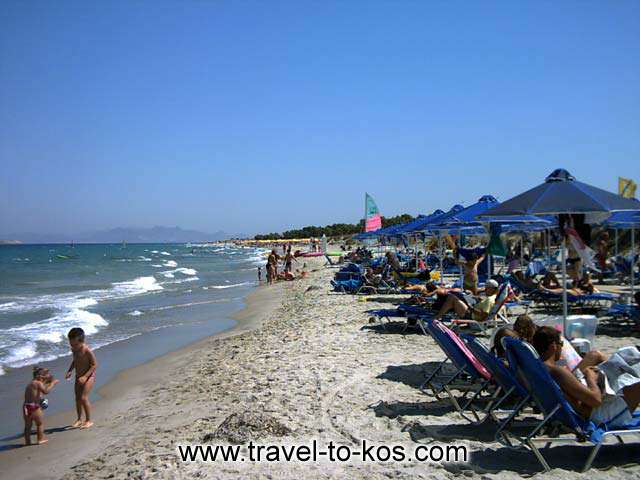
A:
263, 116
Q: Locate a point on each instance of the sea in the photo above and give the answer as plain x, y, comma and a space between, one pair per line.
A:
134, 302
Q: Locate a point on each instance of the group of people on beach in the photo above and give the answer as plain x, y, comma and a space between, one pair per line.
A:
579, 377
286, 273
84, 364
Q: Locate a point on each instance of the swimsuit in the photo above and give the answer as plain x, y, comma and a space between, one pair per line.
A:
93, 375
28, 408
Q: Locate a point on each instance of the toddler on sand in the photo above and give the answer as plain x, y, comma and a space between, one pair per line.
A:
32, 408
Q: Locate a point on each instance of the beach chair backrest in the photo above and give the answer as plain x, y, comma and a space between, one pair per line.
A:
456, 350
498, 370
534, 375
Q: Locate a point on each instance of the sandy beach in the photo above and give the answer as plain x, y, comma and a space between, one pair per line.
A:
307, 362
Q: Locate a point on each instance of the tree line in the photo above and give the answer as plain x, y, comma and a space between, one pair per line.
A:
333, 230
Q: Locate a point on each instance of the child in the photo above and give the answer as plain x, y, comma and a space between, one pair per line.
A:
84, 363
42, 383
259, 274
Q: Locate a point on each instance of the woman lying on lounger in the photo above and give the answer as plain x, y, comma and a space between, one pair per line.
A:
584, 286
427, 291
548, 281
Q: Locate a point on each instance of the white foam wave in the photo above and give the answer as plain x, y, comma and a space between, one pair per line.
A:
171, 263
7, 306
156, 265
135, 313
138, 286
142, 258
165, 253
182, 270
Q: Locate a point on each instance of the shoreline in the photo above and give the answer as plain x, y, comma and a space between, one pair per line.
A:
124, 390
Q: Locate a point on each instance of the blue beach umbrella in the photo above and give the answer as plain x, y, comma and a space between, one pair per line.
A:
628, 220
561, 193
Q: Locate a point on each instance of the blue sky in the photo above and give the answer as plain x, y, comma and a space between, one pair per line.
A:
261, 116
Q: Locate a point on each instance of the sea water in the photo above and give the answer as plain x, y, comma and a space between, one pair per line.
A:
139, 300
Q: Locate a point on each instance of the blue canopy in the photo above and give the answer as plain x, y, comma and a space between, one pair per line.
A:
623, 220
468, 215
562, 193
436, 220
416, 224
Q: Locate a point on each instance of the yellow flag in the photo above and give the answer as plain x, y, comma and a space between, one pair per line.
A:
627, 187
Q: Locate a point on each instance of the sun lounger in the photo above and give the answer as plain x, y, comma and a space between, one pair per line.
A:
623, 310
559, 415
476, 378
510, 388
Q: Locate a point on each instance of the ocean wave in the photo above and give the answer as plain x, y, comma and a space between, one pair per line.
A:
67, 301
138, 286
24, 340
171, 263
188, 279
222, 287
182, 270
142, 258
165, 253
135, 313
156, 265
7, 306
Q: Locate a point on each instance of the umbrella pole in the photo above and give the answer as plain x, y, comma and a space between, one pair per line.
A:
441, 255
548, 248
633, 262
563, 260
461, 269
521, 252
616, 250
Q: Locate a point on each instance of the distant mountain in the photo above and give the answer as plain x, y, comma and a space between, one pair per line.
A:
156, 234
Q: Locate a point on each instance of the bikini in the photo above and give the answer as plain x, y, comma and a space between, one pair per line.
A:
93, 375
29, 407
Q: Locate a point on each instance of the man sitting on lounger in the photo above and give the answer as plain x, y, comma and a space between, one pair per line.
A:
467, 307
586, 398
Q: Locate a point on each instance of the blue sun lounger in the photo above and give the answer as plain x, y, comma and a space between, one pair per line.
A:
475, 377
631, 312
559, 415
505, 379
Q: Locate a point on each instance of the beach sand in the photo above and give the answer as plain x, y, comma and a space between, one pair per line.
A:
309, 362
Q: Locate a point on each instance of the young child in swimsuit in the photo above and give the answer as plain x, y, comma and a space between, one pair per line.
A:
41, 384
84, 363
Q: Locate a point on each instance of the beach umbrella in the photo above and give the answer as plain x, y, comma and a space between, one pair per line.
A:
561, 193
627, 220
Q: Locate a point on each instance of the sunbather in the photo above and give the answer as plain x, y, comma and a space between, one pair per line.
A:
584, 286
586, 398
525, 328
429, 290
550, 280
468, 307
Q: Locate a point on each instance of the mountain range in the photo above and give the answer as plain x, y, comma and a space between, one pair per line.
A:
157, 234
